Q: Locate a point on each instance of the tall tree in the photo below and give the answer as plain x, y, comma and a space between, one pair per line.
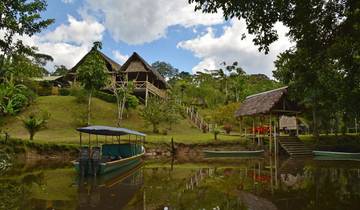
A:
20, 18
92, 74
153, 113
60, 71
165, 69
326, 34
122, 91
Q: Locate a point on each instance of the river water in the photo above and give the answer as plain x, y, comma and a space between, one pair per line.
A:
257, 184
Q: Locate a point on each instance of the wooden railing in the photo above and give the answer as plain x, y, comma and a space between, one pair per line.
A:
197, 119
143, 85
155, 90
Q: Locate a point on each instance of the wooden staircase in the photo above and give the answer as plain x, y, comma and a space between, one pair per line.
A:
198, 121
293, 146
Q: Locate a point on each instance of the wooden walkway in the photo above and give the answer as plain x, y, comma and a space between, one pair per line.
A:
198, 121
294, 146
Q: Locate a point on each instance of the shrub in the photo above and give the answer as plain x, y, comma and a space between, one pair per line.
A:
216, 132
105, 96
64, 91
80, 117
227, 128
35, 122
79, 93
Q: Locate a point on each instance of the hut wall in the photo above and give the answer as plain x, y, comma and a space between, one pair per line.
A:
135, 66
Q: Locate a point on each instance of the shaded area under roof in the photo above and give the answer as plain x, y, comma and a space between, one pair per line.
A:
114, 66
108, 131
274, 101
147, 66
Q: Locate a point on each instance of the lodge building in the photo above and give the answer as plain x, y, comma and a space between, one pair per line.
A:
147, 80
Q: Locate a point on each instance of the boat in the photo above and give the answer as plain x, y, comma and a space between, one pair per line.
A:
214, 153
327, 155
109, 157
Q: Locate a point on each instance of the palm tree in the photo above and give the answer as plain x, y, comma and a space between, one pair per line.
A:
33, 124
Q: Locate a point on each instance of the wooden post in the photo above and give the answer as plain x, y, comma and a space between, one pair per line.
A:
172, 146
275, 140
146, 89
258, 132
253, 130
356, 126
297, 127
240, 126
270, 136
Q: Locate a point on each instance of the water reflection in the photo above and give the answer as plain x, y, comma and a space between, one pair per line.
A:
112, 191
213, 184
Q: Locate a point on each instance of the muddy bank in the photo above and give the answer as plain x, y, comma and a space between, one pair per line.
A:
17, 148
190, 151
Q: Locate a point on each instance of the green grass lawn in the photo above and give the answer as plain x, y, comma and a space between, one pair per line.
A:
61, 126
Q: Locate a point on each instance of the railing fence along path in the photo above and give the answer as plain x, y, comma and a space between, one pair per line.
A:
199, 121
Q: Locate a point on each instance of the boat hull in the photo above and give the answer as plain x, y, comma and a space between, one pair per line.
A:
243, 154
108, 167
337, 155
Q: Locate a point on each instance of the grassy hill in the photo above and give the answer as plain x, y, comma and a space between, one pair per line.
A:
61, 125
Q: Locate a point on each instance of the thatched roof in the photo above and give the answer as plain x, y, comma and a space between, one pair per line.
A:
263, 103
148, 67
112, 66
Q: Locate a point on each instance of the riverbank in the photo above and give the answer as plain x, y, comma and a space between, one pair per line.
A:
34, 150
43, 151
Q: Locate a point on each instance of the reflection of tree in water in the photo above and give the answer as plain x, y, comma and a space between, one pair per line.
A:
5, 161
319, 188
202, 188
14, 193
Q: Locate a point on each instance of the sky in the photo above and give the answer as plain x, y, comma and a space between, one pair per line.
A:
158, 30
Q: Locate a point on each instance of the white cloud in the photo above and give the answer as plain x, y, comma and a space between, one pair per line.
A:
77, 31
230, 47
67, 43
142, 21
68, 1
119, 57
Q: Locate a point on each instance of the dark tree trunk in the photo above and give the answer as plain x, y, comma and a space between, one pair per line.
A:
315, 124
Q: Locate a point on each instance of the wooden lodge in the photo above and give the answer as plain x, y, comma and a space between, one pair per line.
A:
147, 80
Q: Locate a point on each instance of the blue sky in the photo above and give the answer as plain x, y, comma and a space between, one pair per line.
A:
162, 30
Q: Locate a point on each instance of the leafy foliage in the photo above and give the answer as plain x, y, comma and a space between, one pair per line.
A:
20, 17
322, 70
92, 73
13, 98
165, 69
160, 111
60, 71
35, 122
153, 113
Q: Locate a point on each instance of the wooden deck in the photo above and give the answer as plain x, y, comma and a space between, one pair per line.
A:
144, 85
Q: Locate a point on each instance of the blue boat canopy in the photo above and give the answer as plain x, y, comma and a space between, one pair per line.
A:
108, 131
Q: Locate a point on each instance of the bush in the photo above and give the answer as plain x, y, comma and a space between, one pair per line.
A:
227, 128
216, 132
64, 91
79, 93
80, 117
105, 96
35, 122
